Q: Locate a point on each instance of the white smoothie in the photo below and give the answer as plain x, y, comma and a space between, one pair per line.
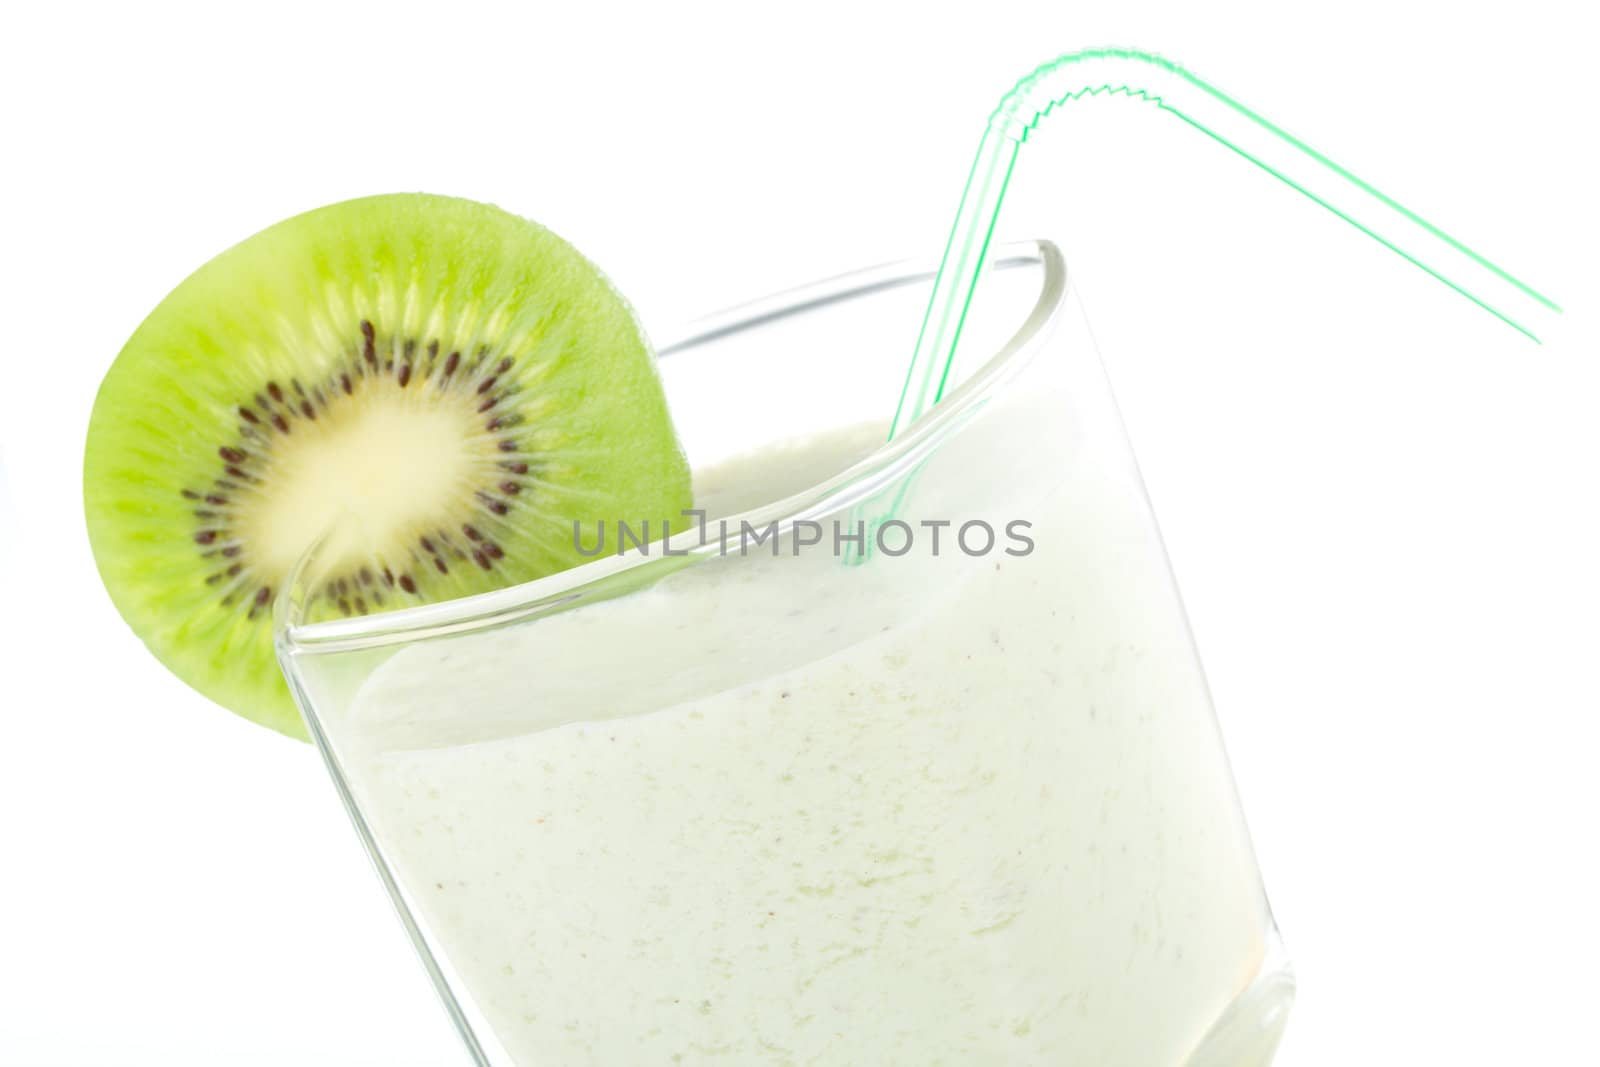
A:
952, 810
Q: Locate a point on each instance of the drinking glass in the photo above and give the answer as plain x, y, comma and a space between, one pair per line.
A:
888, 753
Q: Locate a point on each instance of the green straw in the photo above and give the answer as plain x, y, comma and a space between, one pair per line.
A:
1109, 71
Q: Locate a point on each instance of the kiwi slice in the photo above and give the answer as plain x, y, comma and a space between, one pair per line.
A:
460, 382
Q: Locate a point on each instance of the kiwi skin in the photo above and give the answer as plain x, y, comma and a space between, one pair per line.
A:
362, 328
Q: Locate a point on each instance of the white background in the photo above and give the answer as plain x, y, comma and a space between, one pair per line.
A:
1381, 503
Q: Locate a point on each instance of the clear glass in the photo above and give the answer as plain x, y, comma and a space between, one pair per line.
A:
958, 798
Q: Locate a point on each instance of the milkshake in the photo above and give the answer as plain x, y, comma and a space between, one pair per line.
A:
943, 807
909, 761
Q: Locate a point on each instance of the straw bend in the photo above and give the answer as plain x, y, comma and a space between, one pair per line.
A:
1093, 72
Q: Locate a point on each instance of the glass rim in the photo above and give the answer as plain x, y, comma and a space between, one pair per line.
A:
860, 481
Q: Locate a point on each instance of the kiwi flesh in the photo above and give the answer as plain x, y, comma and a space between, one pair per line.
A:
450, 386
